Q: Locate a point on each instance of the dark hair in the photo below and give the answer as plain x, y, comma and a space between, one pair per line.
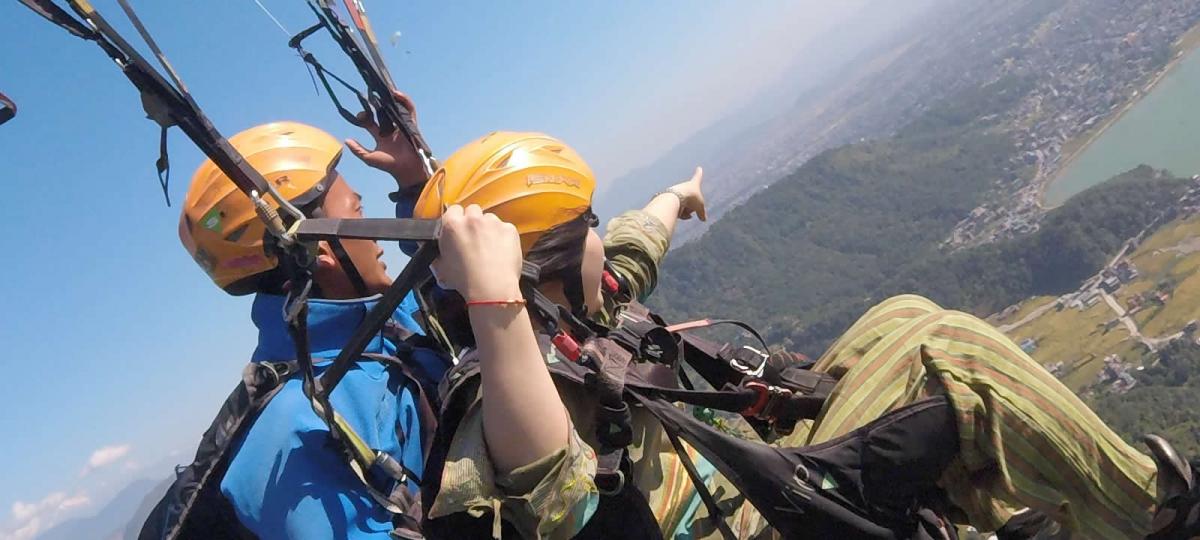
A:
560, 250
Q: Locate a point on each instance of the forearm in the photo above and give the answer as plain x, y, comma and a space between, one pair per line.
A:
523, 417
665, 206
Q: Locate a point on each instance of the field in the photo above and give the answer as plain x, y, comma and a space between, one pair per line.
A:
1080, 339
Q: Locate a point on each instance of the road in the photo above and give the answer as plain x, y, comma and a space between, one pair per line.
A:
1127, 320
1031, 316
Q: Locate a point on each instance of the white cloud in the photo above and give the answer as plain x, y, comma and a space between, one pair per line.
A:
108, 455
105, 456
31, 518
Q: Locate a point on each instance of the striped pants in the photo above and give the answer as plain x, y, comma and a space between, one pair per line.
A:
1026, 440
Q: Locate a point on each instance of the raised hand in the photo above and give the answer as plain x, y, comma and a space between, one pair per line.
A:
393, 154
691, 196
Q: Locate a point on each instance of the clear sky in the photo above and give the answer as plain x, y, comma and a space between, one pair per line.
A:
117, 349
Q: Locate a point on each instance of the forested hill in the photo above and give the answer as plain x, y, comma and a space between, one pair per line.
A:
802, 259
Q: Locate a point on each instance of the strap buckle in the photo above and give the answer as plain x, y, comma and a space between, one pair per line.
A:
604, 479
768, 401
741, 360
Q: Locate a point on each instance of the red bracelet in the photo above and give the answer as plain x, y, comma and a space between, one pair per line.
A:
517, 302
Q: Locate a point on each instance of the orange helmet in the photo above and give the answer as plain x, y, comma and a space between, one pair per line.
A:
530, 180
218, 225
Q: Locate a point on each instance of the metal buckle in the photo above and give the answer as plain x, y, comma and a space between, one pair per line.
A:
768, 400
744, 369
616, 490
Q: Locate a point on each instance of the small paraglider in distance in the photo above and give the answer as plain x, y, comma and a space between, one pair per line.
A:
8, 109
395, 38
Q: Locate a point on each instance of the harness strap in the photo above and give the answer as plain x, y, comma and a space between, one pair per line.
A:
715, 514
415, 272
349, 268
610, 471
59, 16
8, 109
172, 517
368, 229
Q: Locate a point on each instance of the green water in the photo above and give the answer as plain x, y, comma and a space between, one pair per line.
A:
1162, 130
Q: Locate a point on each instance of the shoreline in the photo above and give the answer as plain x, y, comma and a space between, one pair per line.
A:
1187, 48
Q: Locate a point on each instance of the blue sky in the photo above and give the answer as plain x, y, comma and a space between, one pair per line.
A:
117, 348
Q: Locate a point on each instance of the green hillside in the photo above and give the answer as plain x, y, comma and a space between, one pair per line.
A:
805, 257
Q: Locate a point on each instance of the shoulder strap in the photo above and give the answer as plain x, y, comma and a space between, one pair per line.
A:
192, 506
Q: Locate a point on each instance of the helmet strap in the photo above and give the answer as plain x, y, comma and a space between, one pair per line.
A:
339, 251
572, 284
348, 267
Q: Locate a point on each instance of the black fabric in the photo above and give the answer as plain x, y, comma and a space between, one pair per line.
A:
1031, 525
8, 109
876, 482
625, 514
716, 516
1179, 516
193, 506
867, 484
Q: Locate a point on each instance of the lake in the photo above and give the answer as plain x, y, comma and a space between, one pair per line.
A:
1162, 130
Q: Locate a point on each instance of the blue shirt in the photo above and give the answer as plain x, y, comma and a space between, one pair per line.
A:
285, 480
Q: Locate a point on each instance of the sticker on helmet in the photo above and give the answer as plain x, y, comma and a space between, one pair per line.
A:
537, 179
212, 220
205, 260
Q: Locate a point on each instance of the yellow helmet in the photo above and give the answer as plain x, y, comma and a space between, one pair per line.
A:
218, 225
530, 180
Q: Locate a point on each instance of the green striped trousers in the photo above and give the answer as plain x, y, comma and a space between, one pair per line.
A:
1026, 439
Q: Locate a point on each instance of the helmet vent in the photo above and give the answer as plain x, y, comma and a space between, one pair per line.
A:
237, 233
504, 161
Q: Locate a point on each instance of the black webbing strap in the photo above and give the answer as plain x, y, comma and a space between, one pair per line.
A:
415, 272
165, 103
8, 109
349, 268
59, 16
730, 399
368, 229
425, 406
715, 514
610, 471
756, 371
163, 165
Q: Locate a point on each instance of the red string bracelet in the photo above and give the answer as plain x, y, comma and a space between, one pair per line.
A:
517, 302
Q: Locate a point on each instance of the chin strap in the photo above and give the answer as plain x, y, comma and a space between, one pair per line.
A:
348, 267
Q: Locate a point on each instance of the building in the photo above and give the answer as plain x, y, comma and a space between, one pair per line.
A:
1126, 272
1110, 284
1028, 345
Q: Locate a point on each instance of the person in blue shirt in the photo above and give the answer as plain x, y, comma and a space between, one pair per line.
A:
269, 469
